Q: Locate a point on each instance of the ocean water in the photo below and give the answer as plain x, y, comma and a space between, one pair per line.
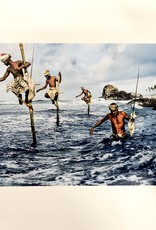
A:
67, 154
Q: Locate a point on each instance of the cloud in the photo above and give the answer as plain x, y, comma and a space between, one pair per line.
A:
88, 65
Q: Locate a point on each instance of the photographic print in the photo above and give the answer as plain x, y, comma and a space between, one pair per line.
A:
61, 168
77, 114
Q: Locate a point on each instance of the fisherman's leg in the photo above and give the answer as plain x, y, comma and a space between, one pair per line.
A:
123, 139
26, 96
56, 100
20, 99
13, 89
22, 86
19, 95
114, 137
83, 99
86, 100
106, 141
56, 104
56, 96
89, 99
47, 95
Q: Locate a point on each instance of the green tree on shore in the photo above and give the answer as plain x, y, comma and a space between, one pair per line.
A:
151, 89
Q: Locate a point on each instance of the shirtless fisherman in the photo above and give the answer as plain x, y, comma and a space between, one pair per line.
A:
117, 121
19, 85
87, 95
51, 81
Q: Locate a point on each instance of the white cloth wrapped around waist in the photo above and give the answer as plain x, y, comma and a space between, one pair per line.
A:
18, 86
52, 92
118, 135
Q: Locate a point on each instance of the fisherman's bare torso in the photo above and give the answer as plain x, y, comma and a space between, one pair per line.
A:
15, 68
51, 81
86, 92
118, 123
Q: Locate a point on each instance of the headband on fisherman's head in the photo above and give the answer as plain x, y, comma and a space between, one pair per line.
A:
47, 73
4, 57
113, 107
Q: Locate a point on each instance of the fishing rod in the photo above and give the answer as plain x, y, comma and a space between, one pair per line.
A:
133, 109
131, 124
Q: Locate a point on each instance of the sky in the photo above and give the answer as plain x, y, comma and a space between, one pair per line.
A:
91, 65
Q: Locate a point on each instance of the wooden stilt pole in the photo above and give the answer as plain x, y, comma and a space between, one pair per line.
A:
57, 103
29, 105
88, 108
57, 116
57, 111
89, 104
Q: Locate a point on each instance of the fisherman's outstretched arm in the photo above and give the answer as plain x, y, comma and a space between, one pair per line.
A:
97, 124
79, 95
44, 87
5, 76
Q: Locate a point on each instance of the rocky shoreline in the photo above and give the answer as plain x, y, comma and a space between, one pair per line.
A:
147, 102
110, 92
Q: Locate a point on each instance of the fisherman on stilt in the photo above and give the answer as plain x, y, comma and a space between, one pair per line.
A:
22, 83
86, 98
87, 95
51, 81
19, 85
31, 93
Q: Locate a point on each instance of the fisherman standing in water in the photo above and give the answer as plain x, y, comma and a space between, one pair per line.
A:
51, 81
19, 85
87, 95
117, 120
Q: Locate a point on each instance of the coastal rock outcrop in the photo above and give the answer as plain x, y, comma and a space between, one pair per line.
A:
110, 92
146, 102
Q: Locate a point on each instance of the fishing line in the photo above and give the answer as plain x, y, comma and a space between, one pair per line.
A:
32, 60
